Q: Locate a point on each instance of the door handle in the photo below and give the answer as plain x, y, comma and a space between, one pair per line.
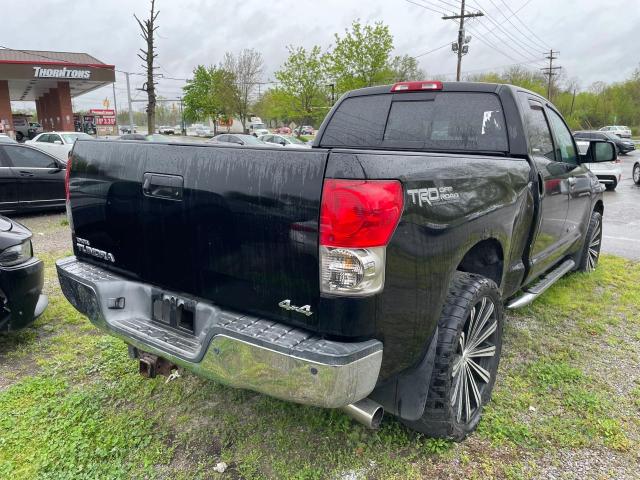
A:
158, 185
24, 173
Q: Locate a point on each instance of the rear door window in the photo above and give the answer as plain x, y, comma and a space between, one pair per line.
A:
25, 157
358, 122
448, 121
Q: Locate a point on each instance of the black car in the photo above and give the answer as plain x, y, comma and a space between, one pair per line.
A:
30, 179
21, 277
623, 145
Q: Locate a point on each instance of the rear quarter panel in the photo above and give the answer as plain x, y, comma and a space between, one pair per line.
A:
451, 203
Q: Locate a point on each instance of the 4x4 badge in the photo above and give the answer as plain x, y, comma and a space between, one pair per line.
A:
305, 310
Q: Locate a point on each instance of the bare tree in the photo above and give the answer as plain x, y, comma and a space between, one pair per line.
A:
247, 70
148, 28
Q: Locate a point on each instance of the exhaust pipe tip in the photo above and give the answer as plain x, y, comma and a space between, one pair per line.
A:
366, 412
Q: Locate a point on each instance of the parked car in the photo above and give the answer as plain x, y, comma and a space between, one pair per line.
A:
202, 131
623, 146
166, 130
30, 179
287, 141
24, 129
156, 137
620, 130
636, 173
21, 277
58, 144
306, 130
236, 139
609, 172
6, 139
129, 129
284, 130
368, 272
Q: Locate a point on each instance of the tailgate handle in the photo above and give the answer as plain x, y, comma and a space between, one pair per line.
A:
164, 186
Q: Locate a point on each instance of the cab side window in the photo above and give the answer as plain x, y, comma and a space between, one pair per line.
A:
25, 157
538, 132
565, 148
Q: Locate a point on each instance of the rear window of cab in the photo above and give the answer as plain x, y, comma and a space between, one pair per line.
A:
434, 121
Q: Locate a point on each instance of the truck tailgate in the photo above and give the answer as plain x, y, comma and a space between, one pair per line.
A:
235, 226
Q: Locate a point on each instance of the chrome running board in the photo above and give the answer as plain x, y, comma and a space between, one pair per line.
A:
532, 292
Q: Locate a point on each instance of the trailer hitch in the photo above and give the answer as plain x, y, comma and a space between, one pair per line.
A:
153, 365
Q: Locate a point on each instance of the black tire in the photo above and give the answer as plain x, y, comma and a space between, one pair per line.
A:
19, 136
611, 186
636, 173
590, 253
448, 414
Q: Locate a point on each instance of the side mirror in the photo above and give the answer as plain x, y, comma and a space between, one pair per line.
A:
597, 151
57, 142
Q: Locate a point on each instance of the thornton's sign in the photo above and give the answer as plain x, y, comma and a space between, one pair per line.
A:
40, 72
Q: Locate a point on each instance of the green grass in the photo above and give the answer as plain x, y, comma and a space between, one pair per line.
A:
73, 406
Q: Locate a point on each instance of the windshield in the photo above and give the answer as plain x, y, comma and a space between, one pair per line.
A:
72, 137
251, 140
295, 141
259, 126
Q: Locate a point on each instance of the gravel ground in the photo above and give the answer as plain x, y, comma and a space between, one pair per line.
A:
50, 232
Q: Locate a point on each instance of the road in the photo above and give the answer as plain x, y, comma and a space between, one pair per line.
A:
622, 214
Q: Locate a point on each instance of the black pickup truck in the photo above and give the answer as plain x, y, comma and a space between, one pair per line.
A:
368, 272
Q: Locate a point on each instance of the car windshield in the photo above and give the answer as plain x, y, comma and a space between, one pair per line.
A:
295, 141
72, 137
259, 125
251, 140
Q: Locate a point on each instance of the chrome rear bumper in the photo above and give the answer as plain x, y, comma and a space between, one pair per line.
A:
235, 349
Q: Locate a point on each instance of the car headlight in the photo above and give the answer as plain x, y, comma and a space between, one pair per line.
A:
16, 254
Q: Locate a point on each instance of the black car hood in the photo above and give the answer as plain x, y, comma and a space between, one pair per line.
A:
12, 233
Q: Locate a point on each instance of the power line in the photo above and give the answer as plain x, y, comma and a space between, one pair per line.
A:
530, 43
431, 51
461, 48
514, 14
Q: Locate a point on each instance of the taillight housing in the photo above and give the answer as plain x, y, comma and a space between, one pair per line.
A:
357, 220
67, 191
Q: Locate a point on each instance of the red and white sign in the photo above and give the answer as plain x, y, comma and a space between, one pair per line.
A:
105, 120
103, 111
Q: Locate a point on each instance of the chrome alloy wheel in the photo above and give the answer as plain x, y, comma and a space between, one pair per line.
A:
594, 247
473, 360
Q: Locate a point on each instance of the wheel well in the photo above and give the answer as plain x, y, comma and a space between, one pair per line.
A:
485, 258
599, 207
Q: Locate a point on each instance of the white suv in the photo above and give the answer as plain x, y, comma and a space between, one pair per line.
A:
620, 130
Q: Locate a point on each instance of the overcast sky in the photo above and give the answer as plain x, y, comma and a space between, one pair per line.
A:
597, 40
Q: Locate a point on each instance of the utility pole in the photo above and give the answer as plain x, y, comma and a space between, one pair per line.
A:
550, 70
460, 47
126, 74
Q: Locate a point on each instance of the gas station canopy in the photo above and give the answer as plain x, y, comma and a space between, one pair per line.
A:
51, 80
31, 74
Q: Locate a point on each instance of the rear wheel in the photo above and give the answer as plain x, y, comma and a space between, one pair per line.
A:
592, 244
19, 136
636, 173
467, 356
611, 186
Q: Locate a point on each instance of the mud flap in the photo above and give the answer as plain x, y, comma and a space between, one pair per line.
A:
405, 396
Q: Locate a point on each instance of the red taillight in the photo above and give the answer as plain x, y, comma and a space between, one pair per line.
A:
66, 179
359, 213
416, 86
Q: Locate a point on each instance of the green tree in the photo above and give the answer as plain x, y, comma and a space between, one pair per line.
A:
361, 57
301, 95
404, 68
246, 68
209, 94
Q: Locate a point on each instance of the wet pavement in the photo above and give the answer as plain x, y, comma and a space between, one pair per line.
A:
622, 214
